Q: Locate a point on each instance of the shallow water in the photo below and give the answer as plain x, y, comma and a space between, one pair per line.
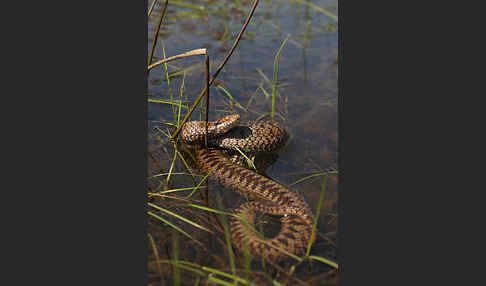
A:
306, 106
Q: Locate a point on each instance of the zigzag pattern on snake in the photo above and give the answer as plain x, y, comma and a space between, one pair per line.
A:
269, 196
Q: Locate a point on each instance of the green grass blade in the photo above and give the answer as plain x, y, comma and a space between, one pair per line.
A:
308, 177
178, 190
248, 160
198, 185
163, 133
166, 69
163, 101
324, 260
174, 173
183, 265
155, 251
231, 98
316, 219
247, 258
180, 217
186, 5
267, 95
170, 224
209, 209
319, 9
221, 273
228, 240
151, 8
275, 75
182, 71
267, 80
193, 176
190, 269
218, 281
172, 164
250, 100
284, 251
262, 116
175, 254
181, 91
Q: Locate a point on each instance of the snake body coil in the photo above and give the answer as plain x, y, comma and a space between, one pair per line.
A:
269, 196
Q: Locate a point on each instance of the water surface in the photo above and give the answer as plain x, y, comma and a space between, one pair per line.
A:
306, 106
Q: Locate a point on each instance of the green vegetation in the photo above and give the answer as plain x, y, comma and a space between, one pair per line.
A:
188, 232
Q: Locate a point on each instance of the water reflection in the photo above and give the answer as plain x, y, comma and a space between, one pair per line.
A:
306, 104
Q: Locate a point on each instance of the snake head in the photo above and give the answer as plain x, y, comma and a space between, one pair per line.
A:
224, 124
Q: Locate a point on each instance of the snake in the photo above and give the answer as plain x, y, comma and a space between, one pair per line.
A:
268, 196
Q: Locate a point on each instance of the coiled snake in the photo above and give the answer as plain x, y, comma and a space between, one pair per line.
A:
269, 196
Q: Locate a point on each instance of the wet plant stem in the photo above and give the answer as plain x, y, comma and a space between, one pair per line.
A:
218, 70
207, 100
156, 34
151, 7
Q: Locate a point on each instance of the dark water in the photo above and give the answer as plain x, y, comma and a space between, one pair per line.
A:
306, 106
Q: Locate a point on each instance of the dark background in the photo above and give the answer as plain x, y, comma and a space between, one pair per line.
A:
70, 68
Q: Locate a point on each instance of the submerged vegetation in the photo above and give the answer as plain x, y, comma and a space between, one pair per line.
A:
188, 232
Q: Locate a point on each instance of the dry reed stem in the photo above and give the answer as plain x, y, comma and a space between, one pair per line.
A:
196, 102
156, 33
196, 52
207, 100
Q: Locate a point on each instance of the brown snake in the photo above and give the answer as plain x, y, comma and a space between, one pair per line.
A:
269, 196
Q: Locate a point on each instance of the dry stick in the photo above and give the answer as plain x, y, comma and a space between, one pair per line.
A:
218, 70
207, 100
156, 35
195, 52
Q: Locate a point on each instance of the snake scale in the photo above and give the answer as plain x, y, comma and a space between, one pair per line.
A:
269, 196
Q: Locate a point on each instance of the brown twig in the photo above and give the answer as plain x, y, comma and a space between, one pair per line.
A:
207, 100
156, 34
196, 102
